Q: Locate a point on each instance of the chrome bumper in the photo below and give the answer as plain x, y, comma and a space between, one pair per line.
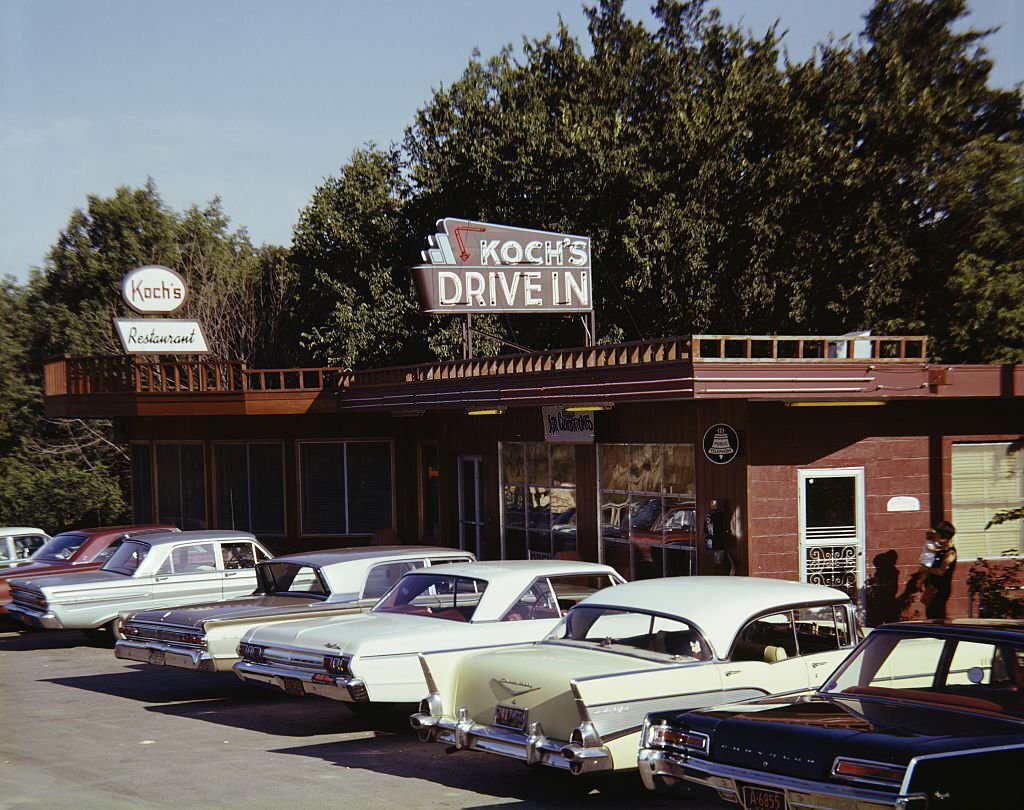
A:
160, 654
34, 618
531, 747
801, 794
349, 690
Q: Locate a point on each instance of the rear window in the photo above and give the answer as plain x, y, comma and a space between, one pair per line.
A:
444, 597
127, 558
62, 546
290, 579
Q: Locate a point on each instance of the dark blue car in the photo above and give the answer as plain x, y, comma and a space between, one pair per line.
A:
920, 715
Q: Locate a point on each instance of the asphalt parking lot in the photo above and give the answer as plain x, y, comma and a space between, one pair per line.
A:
80, 728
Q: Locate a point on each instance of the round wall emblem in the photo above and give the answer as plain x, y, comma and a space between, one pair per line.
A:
721, 444
153, 289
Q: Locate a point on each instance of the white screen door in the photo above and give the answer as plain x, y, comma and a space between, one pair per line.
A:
831, 509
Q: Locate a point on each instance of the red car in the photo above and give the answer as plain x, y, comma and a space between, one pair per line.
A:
76, 550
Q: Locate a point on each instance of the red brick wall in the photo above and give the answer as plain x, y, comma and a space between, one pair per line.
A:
892, 446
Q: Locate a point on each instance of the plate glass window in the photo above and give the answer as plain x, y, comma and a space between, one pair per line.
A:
181, 485
648, 509
987, 478
346, 487
250, 487
538, 485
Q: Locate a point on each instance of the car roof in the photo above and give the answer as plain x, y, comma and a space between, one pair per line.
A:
520, 568
162, 538
507, 579
1011, 630
5, 530
719, 606
330, 556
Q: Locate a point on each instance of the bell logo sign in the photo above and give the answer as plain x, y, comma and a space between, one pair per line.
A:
153, 290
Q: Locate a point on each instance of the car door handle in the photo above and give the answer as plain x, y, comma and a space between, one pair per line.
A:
733, 672
816, 664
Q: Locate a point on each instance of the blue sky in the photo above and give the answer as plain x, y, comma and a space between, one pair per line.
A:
259, 101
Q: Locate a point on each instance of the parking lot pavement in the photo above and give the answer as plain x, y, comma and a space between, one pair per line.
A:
80, 728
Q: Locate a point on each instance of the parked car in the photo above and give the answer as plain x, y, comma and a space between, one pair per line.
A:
373, 658
18, 544
318, 584
161, 569
577, 699
920, 715
72, 552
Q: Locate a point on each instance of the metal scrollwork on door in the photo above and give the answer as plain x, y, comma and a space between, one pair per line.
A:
834, 566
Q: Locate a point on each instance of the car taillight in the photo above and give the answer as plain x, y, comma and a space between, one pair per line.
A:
664, 736
130, 631
251, 652
858, 770
338, 664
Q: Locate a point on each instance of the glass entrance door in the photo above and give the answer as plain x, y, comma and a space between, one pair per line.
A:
470, 507
831, 509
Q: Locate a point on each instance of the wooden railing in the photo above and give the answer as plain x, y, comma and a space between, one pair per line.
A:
105, 375
879, 348
69, 375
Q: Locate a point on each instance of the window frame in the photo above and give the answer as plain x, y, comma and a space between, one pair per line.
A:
344, 442
215, 483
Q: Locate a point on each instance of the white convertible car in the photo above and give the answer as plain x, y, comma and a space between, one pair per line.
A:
374, 658
577, 699
314, 584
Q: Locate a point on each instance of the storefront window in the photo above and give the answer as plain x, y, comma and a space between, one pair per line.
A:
538, 499
648, 509
250, 489
345, 487
988, 477
181, 485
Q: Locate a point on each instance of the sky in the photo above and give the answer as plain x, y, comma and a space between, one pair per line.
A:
258, 101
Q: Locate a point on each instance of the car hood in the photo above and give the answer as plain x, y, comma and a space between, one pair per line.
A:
802, 735
535, 678
362, 634
244, 607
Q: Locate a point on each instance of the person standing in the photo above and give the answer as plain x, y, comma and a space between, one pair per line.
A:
938, 575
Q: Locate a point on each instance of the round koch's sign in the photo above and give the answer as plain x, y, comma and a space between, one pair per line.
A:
153, 289
721, 444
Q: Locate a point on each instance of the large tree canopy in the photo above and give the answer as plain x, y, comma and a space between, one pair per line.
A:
873, 186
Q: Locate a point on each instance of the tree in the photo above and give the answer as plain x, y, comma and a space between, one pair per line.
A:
350, 253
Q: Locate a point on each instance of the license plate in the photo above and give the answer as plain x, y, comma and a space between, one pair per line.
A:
758, 798
157, 657
510, 717
293, 686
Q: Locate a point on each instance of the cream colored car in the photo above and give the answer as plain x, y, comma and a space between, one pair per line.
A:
577, 699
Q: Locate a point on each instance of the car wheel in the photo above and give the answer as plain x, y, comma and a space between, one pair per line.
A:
105, 635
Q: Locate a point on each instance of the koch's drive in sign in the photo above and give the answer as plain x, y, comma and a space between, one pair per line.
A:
481, 267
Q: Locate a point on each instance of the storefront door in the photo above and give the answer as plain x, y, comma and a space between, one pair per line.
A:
831, 510
470, 506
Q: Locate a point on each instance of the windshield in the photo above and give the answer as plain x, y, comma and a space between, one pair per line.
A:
444, 597
290, 579
633, 632
127, 558
61, 547
966, 673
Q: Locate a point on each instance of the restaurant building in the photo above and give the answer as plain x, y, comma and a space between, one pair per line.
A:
818, 458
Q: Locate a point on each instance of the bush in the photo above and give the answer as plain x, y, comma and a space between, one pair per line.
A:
991, 583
